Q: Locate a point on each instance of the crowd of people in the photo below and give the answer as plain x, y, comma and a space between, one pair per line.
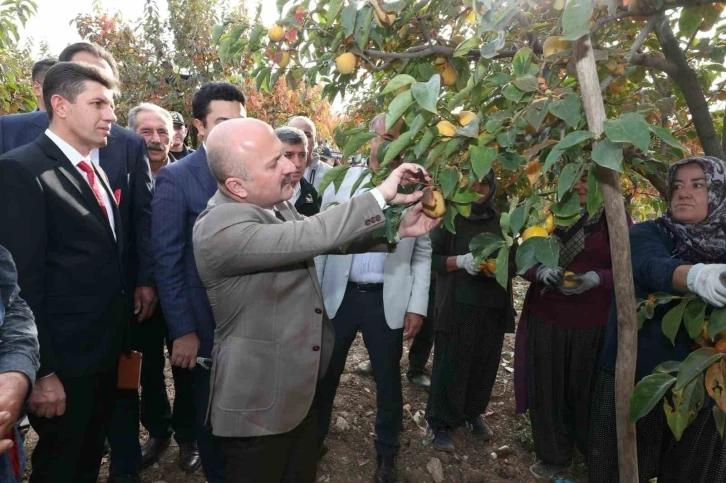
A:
120, 246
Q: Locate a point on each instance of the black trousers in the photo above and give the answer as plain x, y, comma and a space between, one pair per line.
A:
465, 366
156, 415
213, 459
418, 354
364, 311
70, 446
290, 457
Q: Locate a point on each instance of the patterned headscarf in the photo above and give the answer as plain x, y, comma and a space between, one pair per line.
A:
486, 210
703, 242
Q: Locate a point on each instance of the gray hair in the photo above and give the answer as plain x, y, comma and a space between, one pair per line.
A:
292, 136
149, 107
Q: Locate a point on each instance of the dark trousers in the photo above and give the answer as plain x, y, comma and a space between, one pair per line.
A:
156, 415
290, 457
465, 366
418, 354
364, 311
562, 365
213, 459
70, 446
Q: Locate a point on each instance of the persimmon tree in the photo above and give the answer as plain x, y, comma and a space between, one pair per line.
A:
485, 84
16, 94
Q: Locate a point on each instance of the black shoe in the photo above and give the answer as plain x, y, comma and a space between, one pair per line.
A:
323, 450
123, 478
420, 380
189, 459
152, 450
386, 470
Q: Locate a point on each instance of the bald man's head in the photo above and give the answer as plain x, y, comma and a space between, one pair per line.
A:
246, 159
306, 125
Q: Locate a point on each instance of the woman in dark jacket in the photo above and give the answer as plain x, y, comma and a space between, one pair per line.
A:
472, 314
559, 338
683, 251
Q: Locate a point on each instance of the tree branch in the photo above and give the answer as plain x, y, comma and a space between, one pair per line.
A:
654, 62
687, 81
640, 39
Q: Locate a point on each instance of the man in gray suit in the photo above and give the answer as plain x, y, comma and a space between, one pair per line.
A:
272, 340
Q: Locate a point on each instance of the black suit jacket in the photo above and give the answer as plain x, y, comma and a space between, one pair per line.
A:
70, 266
126, 163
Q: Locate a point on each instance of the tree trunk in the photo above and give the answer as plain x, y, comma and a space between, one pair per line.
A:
622, 267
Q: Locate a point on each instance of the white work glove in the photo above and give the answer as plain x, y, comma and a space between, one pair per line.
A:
705, 281
466, 262
585, 281
551, 278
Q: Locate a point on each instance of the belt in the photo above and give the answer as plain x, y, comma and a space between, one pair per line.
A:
366, 287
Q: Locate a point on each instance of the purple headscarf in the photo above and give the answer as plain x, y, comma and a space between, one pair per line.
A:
703, 242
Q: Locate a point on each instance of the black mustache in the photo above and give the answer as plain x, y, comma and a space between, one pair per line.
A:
286, 180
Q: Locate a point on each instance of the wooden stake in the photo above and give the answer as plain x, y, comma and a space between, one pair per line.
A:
622, 267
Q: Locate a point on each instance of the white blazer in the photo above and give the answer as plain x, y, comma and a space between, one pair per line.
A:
407, 272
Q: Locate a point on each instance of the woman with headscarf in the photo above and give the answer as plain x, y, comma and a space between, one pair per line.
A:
682, 252
559, 339
473, 312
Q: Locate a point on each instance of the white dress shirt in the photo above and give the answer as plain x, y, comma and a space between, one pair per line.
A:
295, 194
75, 158
315, 172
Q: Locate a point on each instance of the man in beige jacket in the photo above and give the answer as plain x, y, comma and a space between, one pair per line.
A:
273, 339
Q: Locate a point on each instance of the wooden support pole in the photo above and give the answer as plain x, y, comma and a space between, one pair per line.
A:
622, 267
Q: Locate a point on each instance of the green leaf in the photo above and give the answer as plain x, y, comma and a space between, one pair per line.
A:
347, 17
575, 19
363, 22
502, 271
511, 161
512, 93
547, 251
426, 94
482, 158
689, 22
256, 33
398, 106
464, 196
526, 257
696, 362
449, 180
418, 122
672, 321
572, 139
401, 80
629, 128
567, 178
527, 83
335, 176
449, 218
217, 32
364, 175
507, 138
716, 322
452, 146
518, 218
280, 5
608, 155
594, 192
568, 109
395, 148
535, 113
668, 367
666, 136
649, 391
333, 9
567, 206
483, 241
694, 317
521, 62
504, 222
464, 47
356, 142
425, 142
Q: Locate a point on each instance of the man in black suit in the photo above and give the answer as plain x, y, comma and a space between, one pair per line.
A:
67, 239
38, 75
295, 148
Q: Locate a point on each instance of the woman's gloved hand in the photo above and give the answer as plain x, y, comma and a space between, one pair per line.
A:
466, 262
583, 281
551, 278
705, 281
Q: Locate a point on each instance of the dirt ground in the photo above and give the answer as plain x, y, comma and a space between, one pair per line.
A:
352, 457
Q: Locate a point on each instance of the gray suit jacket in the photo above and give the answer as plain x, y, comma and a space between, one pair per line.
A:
273, 339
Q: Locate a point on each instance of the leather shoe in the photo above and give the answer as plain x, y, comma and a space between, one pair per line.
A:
189, 459
323, 450
123, 478
420, 380
386, 470
152, 450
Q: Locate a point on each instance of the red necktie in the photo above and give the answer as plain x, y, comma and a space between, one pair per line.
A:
91, 174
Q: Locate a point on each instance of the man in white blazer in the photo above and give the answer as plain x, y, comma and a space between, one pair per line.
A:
385, 296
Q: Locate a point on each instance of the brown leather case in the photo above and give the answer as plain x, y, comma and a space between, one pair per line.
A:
129, 370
